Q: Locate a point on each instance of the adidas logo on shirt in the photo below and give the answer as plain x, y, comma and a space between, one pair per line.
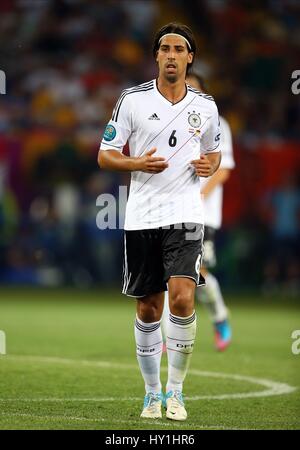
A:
154, 117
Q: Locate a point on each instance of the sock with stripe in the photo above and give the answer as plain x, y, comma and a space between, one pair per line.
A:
181, 334
211, 297
148, 340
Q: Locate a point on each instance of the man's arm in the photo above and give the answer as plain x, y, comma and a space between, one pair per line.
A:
218, 178
114, 160
207, 164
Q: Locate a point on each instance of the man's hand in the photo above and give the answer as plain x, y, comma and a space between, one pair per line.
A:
114, 160
151, 164
207, 164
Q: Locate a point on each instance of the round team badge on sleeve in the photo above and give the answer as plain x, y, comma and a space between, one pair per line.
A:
109, 133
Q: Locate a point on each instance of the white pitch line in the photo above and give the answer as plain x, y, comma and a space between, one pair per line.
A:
273, 388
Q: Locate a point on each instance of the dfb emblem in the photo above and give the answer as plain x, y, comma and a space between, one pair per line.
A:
194, 119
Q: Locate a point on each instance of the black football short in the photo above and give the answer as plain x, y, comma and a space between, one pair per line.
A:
209, 249
152, 256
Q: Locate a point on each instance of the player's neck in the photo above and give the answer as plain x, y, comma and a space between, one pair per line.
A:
174, 92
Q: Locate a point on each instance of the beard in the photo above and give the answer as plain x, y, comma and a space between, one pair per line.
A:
171, 77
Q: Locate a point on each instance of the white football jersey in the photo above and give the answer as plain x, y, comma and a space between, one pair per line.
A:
180, 132
213, 203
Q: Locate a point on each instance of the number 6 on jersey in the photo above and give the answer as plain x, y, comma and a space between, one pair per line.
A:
172, 139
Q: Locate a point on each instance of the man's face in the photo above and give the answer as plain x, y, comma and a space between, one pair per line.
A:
172, 58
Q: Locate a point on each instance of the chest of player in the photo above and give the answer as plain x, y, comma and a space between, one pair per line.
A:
174, 124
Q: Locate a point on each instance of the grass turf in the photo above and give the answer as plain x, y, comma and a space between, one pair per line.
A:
71, 355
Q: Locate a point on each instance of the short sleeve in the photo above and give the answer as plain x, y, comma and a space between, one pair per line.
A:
119, 128
210, 140
227, 161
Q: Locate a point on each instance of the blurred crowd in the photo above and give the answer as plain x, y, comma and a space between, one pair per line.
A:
66, 62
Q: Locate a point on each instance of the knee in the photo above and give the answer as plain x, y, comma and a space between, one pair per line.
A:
182, 304
149, 311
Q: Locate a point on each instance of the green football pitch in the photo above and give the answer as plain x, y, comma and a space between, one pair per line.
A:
70, 364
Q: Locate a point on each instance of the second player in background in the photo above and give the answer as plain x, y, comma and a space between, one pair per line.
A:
210, 295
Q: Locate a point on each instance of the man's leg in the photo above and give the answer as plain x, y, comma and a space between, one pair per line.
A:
211, 297
165, 320
148, 338
181, 332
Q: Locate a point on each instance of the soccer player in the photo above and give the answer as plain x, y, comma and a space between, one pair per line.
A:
212, 190
173, 136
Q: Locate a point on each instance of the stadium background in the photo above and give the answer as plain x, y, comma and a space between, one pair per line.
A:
66, 63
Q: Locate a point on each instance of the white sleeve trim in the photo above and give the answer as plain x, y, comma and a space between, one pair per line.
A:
104, 146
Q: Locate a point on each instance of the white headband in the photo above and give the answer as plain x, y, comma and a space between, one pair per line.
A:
176, 34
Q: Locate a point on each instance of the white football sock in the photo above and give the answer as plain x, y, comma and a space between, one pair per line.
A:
148, 340
210, 295
181, 334
165, 317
